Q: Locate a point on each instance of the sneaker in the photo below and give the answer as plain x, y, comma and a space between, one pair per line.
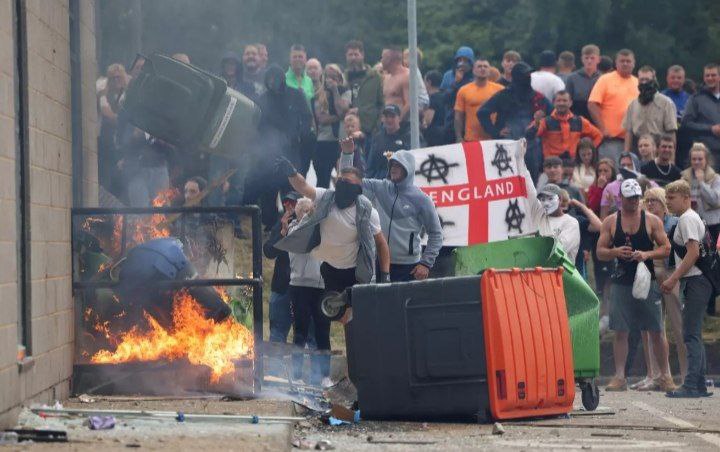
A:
617, 384
604, 324
641, 384
327, 383
688, 393
664, 384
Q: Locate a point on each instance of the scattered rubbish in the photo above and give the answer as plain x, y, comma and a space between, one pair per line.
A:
39, 435
345, 414
324, 444
84, 398
335, 421
498, 429
166, 415
133, 445
101, 422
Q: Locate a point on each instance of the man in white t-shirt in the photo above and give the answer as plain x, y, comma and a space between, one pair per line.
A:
695, 288
546, 212
350, 237
544, 79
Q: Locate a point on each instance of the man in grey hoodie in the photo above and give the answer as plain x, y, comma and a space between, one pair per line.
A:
406, 212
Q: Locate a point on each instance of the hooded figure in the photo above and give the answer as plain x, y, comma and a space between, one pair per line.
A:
465, 58
515, 107
231, 71
406, 212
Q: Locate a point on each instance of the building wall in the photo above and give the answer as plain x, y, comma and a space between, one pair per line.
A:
50, 187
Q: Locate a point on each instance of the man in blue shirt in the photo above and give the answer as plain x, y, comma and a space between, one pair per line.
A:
676, 93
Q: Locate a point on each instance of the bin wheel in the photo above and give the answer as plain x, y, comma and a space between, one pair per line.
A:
590, 394
333, 305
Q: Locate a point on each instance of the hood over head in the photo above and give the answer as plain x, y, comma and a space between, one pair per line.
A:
274, 79
407, 160
231, 56
465, 52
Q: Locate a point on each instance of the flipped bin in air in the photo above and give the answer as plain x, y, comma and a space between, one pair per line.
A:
190, 108
582, 303
417, 350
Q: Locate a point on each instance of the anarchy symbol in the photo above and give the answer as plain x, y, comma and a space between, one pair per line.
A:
435, 168
444, 223
502, 160
514, 216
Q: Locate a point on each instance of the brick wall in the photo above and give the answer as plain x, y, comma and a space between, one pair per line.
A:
50, 158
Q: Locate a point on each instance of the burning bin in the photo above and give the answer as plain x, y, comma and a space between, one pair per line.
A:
582, 303
188, 107
461, 348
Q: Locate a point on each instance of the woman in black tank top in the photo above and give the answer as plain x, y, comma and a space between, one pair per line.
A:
640, 241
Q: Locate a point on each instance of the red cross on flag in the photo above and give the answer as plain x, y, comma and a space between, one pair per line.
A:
477, 189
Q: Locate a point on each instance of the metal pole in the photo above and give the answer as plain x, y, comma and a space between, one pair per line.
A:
412, 46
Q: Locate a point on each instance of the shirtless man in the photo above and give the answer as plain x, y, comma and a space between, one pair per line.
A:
396, 82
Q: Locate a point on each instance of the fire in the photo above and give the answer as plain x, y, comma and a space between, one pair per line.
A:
202, 341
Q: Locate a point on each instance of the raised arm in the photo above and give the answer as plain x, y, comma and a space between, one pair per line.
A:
595, 222
299, 184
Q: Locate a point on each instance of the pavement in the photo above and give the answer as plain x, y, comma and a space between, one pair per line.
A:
624, 421
641, 421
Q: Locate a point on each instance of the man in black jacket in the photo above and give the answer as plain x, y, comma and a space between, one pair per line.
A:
285, 129
390, 138
702, 113
280, 317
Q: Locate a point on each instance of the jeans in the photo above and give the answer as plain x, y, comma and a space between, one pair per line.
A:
401, 272
145, 184
280, 316
326, 156
694, 293
306, 310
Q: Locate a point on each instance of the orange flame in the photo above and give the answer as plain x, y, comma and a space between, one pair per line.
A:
202, 341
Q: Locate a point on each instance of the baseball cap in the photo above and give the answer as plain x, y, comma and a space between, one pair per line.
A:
552, 161
291, 196
551, 190
630, 188
391, 109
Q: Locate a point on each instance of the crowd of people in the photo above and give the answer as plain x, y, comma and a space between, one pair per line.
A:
619, 171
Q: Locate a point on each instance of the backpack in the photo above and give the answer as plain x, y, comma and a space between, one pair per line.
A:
709, 260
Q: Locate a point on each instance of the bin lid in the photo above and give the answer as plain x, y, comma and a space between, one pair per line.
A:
172, 100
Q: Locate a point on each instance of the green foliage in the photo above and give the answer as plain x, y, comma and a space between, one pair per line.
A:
661, 32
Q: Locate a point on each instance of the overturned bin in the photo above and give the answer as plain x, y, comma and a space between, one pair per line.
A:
459, 348
190, 108
582, 303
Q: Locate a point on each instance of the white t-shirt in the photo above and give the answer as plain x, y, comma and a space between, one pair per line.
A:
689, 227
339, 244
546, 83
565, 229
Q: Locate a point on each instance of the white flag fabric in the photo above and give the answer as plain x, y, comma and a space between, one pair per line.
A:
477, 189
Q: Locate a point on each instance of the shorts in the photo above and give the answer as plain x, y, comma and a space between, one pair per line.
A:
627, 312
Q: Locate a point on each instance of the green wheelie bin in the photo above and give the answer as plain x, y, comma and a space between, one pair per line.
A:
191, 108
582, 303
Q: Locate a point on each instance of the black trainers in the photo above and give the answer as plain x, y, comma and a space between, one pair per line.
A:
688, 393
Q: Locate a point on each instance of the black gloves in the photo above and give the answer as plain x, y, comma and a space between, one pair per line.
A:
285, 167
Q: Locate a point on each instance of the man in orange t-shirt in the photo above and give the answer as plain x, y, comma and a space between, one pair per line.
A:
469, 99
609, 100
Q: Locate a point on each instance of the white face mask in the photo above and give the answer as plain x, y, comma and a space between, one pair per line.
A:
550, 203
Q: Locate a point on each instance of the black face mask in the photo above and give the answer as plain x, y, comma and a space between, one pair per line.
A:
647, 92
346, 193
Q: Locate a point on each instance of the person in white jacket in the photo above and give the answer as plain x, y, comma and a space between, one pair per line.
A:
547, 215
306, 291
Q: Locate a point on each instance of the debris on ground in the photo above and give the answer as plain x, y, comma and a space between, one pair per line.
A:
84, 398
306, 444
498, 429
101, 422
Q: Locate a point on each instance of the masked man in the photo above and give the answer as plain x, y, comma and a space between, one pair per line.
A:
343, 232
651, 113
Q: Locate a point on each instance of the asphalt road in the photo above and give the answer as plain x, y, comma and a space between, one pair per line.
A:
629, 428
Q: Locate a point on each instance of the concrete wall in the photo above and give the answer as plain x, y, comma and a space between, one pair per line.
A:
50, 157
